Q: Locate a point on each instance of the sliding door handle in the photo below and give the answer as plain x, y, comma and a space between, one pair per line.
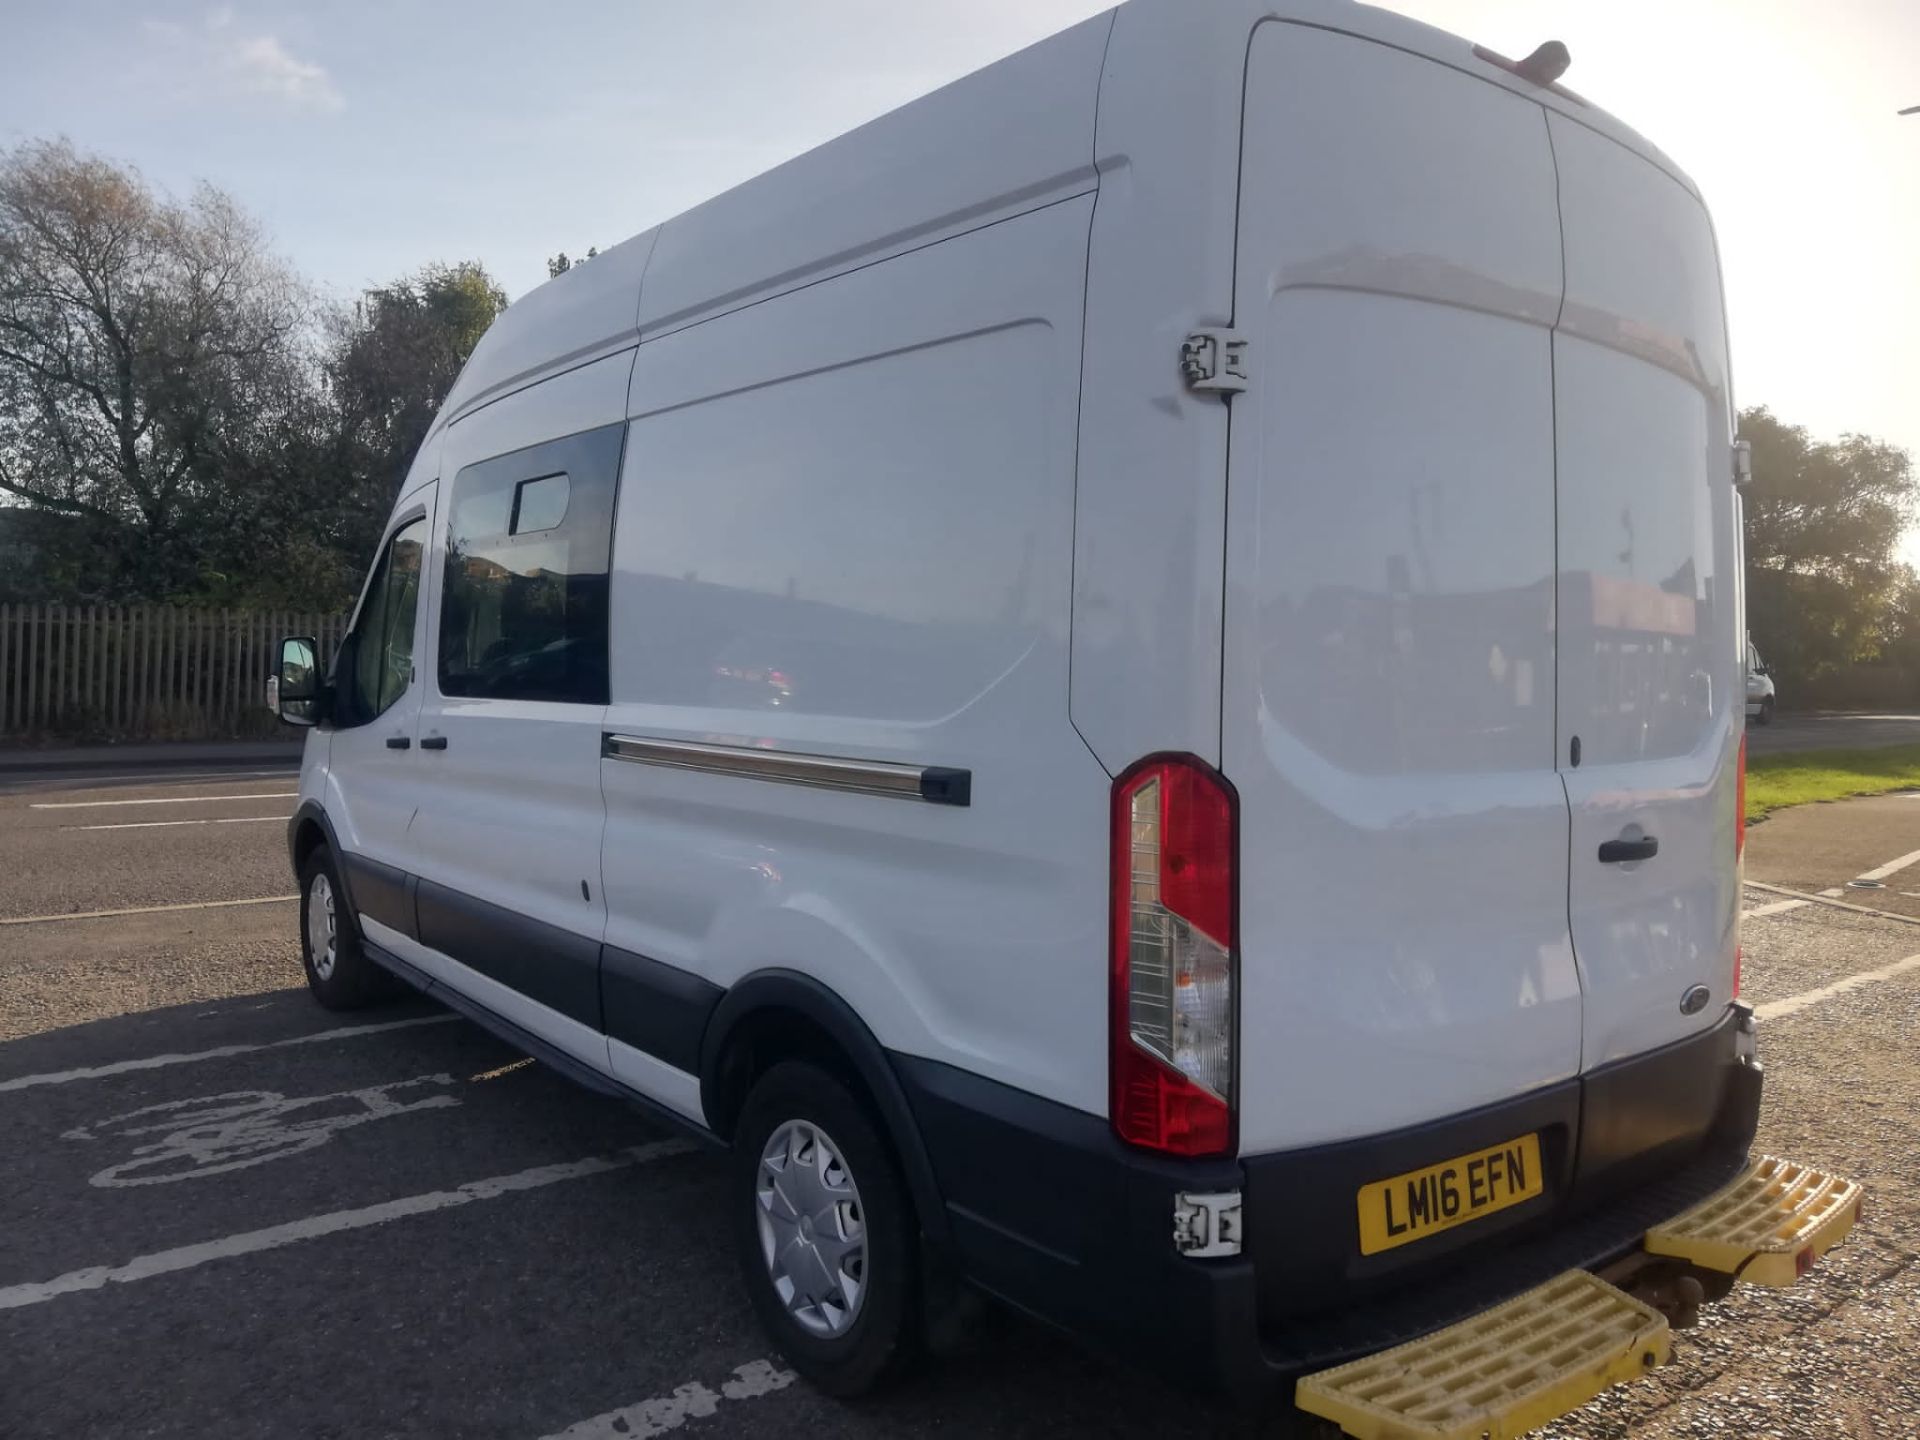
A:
433, 742
1620, 852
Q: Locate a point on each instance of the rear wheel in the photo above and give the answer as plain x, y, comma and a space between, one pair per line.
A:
339, 973
825, 1234
1765, 717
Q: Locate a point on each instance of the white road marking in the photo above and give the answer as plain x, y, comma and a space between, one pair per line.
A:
1892, 867
145, 910
1778, 907
155, 1062
212, 1134
1793, 1004
1824, 899
162, 800
164, 824
274, 1237
687, 1402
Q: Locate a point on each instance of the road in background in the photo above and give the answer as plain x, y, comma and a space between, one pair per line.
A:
1831, 730
56, 767
225, 1211
1864, 852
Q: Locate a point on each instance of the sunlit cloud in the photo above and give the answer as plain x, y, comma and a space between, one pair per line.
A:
215, 55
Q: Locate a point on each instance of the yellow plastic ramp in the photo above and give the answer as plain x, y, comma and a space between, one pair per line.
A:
1767, 1227
1499, 1374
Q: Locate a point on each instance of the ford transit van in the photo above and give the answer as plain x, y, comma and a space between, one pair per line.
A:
1126, 684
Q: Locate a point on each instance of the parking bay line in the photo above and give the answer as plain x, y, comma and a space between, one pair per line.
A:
217, 1053
1823, 899
161, 800
145, 910
220, 1052
1793, 1004
164, 824
687, 1402
274, 1237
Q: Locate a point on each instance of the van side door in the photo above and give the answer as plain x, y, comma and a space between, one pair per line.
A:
507, 843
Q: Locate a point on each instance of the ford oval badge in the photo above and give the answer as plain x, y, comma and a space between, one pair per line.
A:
1695, 1000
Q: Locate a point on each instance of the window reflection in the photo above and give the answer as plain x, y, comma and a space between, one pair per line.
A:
524, 615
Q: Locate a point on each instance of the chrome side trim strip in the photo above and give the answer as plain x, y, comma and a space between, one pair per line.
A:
937, 785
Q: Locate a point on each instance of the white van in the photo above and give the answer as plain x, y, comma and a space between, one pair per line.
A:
1128, 682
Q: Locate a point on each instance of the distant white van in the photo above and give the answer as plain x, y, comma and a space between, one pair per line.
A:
1127, 682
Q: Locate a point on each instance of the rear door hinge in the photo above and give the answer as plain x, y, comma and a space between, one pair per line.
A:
1743, 463
1206, 1227
1214, 362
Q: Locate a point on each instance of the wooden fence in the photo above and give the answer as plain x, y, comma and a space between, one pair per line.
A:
143, 672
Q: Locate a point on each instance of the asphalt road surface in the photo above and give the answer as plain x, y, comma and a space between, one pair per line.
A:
1828, 730
226, 1212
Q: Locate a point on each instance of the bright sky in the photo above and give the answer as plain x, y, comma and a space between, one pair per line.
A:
372, 137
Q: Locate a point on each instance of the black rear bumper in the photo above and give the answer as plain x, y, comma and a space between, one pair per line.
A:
1053, 1215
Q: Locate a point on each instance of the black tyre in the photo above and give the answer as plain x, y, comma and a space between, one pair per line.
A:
827, 1238
339, 973
1765, 717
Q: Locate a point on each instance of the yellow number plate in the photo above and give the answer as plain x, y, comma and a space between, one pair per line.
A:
1420, 1203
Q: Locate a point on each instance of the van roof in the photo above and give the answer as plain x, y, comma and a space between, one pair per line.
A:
1005, 139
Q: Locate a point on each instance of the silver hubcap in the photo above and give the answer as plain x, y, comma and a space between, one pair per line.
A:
320, 925
813, 1234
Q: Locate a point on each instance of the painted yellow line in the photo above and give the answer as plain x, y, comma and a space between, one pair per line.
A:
145, 910
162, 800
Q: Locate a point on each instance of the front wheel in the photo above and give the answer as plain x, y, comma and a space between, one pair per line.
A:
825, 1233
339, 973
1765, 717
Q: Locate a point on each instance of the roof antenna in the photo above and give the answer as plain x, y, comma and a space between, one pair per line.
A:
1545, 65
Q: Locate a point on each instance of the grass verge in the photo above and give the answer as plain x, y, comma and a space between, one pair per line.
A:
1806, 776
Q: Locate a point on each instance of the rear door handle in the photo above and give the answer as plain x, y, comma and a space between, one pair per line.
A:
1619, 852
398, 742
434, 742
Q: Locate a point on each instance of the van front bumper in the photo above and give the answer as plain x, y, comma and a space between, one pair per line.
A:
1054, 1216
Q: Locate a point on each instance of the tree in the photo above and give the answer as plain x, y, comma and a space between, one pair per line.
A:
139, 336
389, 363
559, 265
1824, 519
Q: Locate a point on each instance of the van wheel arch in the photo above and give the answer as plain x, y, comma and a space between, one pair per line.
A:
777, 1015
310, 828
307, 834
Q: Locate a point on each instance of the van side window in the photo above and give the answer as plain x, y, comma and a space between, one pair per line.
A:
523, 611
382, 646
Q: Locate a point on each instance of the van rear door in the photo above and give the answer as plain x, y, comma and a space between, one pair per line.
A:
1388, 686
1650, 687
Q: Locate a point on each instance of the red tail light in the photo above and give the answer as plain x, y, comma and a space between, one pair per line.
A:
1174, 967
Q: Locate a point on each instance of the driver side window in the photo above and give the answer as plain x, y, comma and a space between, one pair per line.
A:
383, 638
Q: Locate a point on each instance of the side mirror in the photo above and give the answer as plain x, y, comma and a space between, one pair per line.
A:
293, 690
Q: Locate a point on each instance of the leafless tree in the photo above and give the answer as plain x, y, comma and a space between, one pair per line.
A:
138, 335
